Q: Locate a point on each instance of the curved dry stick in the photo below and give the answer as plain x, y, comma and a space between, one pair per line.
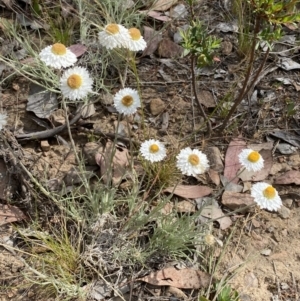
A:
48, 133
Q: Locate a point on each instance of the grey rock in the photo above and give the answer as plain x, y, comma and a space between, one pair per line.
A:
284, 212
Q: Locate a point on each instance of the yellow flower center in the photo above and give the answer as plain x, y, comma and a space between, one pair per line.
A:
154, 148
112, 29
134, 33
59, 49
269, 192
74, 81
253, 157
127, 100
194, 159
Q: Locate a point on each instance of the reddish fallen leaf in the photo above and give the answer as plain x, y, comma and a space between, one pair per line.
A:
78, 49
189, 191
232, 164
9, 214
263, 173
290, 177
216, 59
184, 278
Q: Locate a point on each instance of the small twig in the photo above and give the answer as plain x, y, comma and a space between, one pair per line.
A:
277, 281
244, 89
295, 287
196, 97
48, 133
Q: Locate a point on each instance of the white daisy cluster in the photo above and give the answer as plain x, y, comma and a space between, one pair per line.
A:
117, 36
75, 83
266, 196
190, 162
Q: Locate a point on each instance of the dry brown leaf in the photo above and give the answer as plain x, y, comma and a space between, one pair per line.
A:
189, 191
184, 278
206, 98
168, 49
261, 174
118, 162
152, 38
9, 214
163, 5
214, 176
232, 164
290, 177
158, 16
217, 214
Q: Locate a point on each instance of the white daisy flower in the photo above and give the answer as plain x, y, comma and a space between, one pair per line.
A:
251, 160
266, 196
126, 101
76, 83
2, 120
58, 56
153, 150
136, 41
192, 162
114, 36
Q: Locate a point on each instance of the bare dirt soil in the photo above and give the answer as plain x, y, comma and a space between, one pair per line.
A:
263, 254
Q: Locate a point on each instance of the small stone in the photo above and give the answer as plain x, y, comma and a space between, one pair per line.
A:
294, 160
235, 200
276, 237
45, 146
58, 117
288, 203
251, 280
226, 47
255, 223
30, 294
284, 232
284, 286
266, 252
284, 212
271, 229
245, 297
157, 106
